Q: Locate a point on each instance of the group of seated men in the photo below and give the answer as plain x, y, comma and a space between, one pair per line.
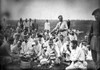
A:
50, 48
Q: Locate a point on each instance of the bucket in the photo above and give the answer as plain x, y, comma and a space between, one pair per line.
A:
25, 64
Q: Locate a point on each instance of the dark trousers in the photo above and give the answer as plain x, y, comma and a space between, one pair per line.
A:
96, 58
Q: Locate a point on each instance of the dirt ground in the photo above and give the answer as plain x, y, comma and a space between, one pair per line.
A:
90, 66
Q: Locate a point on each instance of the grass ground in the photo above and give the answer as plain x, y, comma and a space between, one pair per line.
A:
82, 25
90, 66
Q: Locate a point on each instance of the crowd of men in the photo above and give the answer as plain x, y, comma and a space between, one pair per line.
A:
50, 46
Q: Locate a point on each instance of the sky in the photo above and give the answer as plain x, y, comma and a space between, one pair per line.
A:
49, 9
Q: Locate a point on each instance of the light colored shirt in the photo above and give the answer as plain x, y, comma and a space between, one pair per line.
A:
60, 47
38, 49
30, 23
26, 24
12, 47
47, 26
60, 25
18, 24
64, 48
77, 54
51, 51
24, 47
30, 43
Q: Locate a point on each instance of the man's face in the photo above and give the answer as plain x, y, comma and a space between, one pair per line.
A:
50, 42
60, 18
61, 37
97, 16
39, 38
73, 46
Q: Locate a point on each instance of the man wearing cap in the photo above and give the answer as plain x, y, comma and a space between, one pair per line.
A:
61, 26
94, 38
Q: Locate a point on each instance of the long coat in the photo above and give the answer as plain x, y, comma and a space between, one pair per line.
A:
35, 26
94, 36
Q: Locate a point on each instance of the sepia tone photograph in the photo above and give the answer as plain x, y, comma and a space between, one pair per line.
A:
49, 34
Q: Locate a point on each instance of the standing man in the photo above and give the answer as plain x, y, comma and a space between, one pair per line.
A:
26, 24
94, 38
35, 25
4, 23
47, 26
20, 25
30, 23
68, 23
61, 26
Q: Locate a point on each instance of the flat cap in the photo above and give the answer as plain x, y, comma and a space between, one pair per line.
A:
95, 11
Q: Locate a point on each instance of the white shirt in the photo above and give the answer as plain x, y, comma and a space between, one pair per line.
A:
26, 24
18, 24
30, 43
77, 54
60, 47
38, 49
51, 49
64, 48
12, 47
61, 25
30, 23
47, 26
24, 47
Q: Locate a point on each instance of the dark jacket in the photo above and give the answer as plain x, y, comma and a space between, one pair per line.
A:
94, 36
34, 26
5, 49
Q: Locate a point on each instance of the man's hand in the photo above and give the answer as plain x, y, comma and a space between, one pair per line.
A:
61, 30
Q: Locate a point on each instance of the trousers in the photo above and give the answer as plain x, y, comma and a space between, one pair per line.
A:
96, 58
